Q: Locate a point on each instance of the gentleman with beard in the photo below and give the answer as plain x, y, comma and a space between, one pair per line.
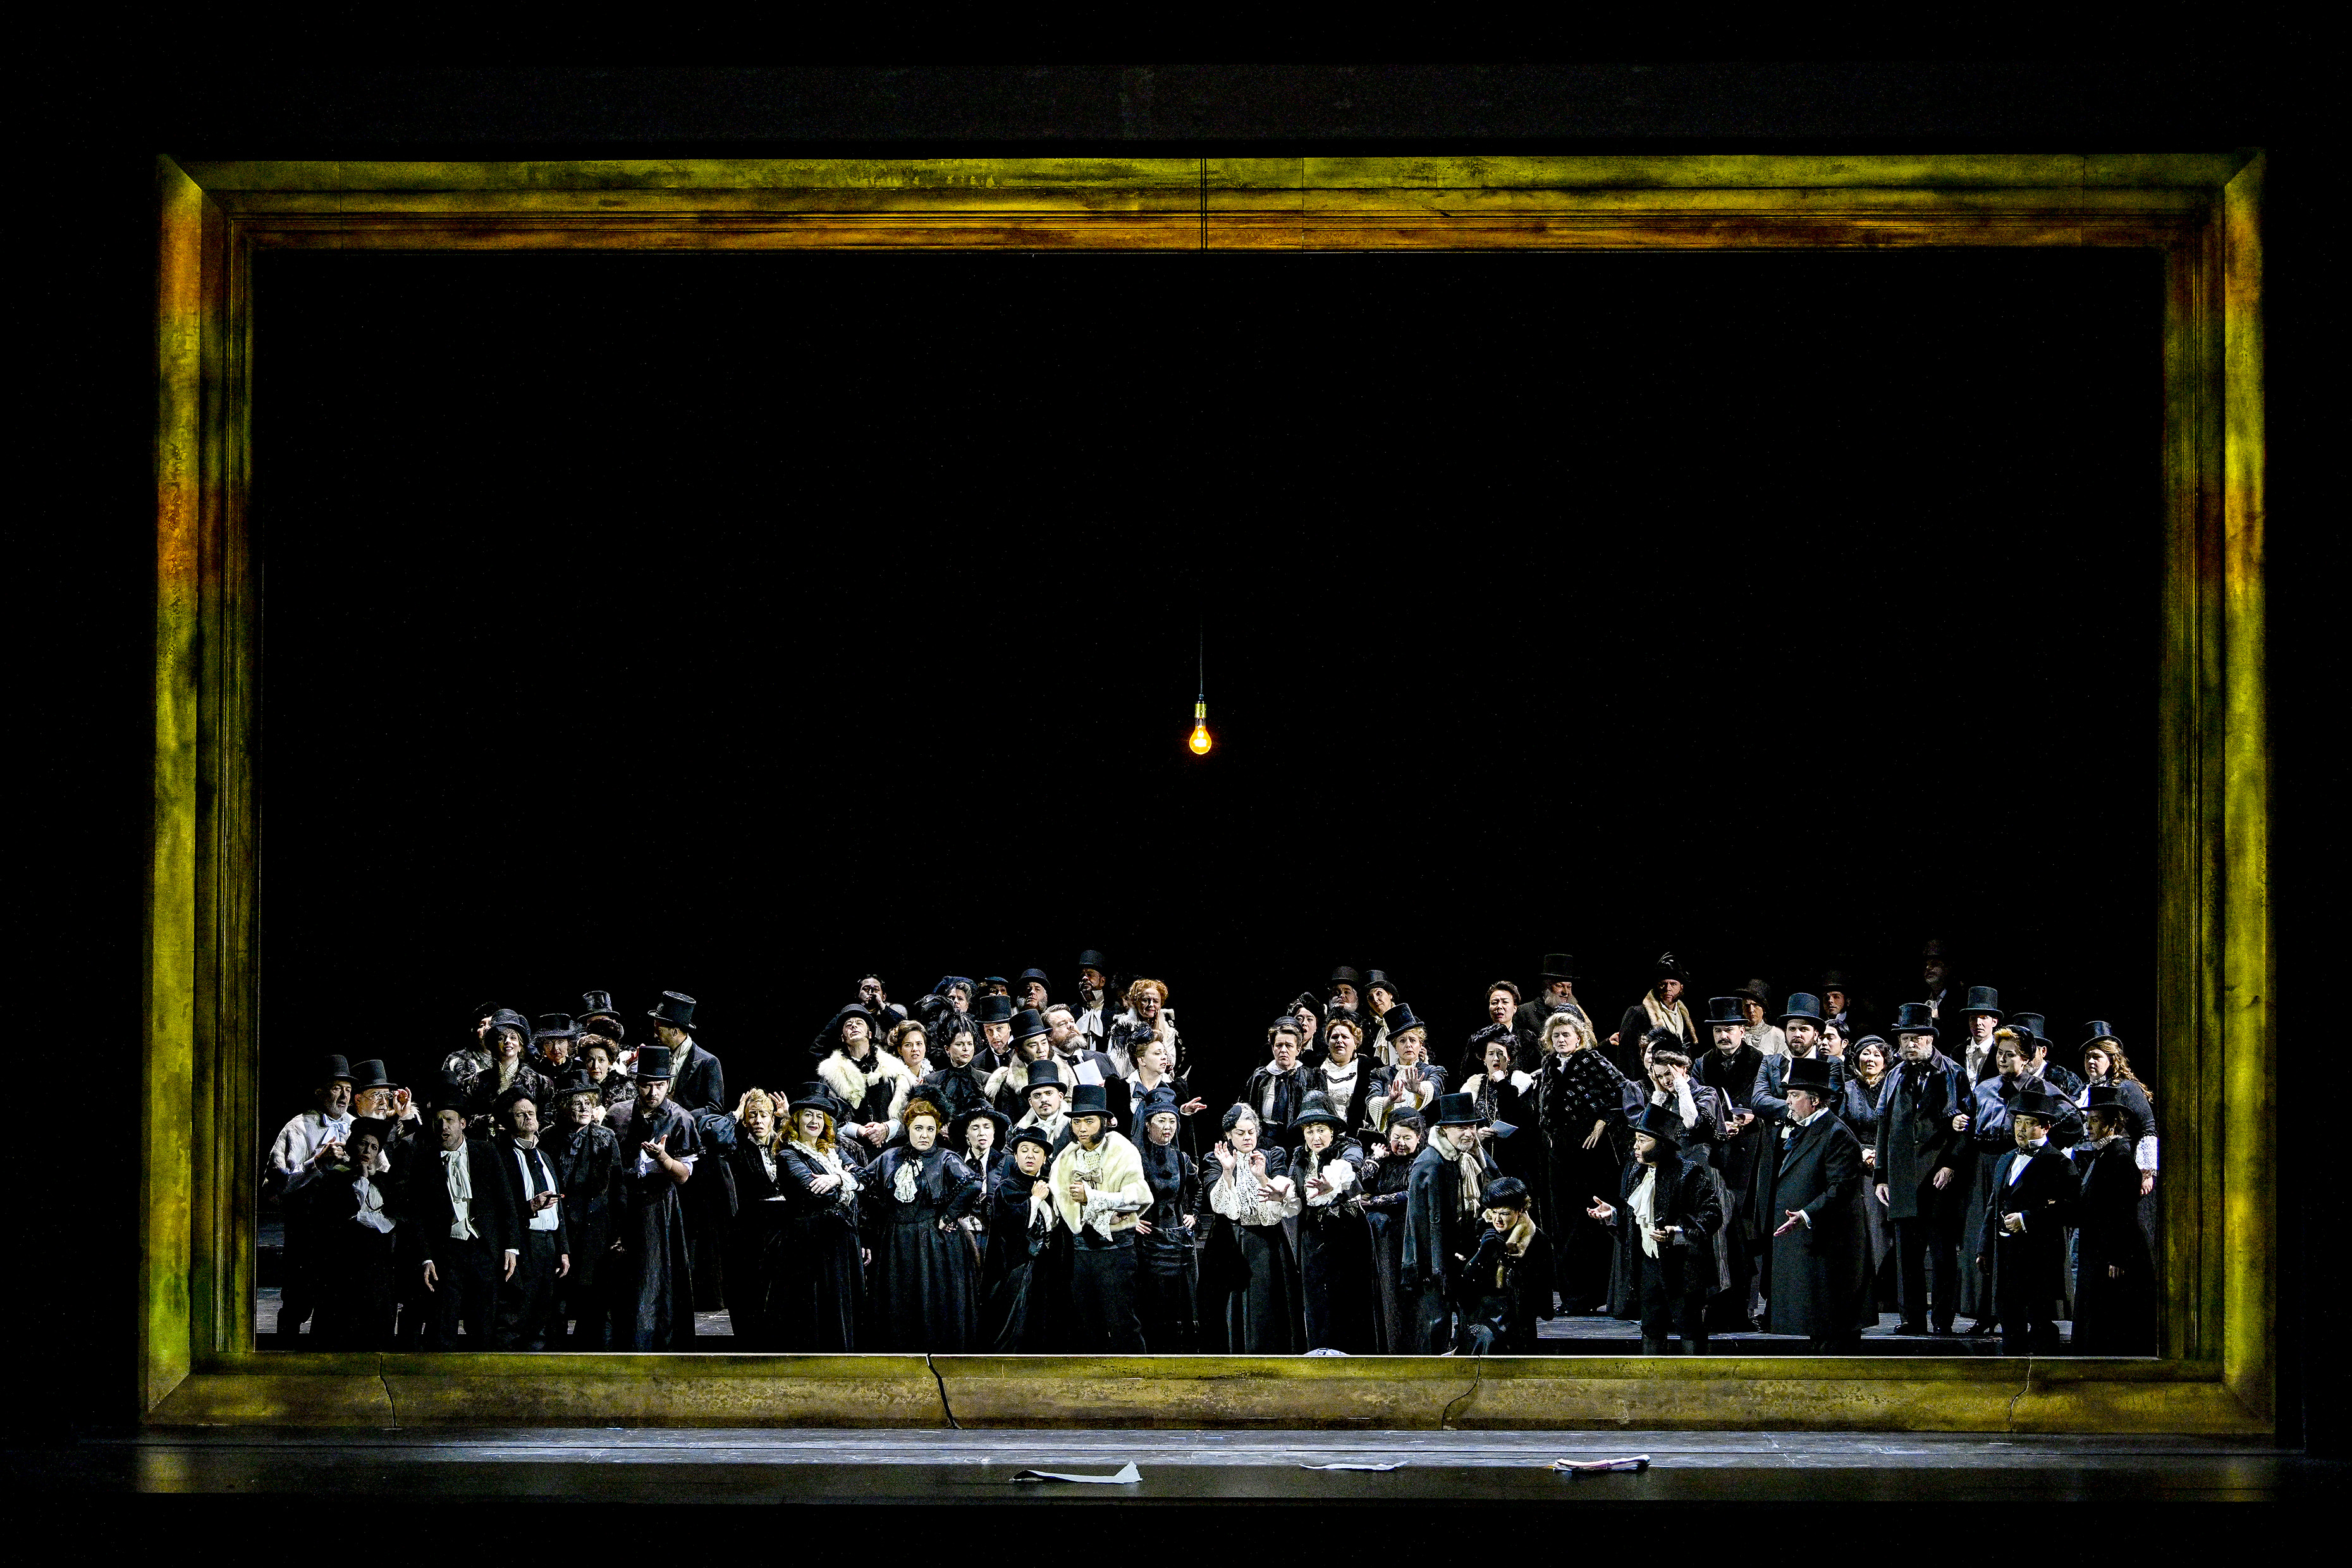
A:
1814, 1269
1030, 990
317, 1136
1094, 998
1082, 1067
1920, 1159
587, 1169
1730, 1067
465, 1220
1441, 1220
1380, 998
696, 1081
1047, 1097
1663, 1008
539, 1250
653, 1301
1277, 1090
1800, 1029
1667, 1213
1559, 994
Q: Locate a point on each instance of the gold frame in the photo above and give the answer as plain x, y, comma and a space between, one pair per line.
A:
2213, 1050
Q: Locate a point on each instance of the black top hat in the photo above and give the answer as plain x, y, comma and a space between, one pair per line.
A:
1982, 999
653, 1061
1087, 1099
375, 1124
1913, 1018
1835, 980
1801, 1005
1345, 975
1032, 1134
506, 1101
1725, 1010
1379, 978
1460, 1110
674, 1009
1754, 991
2100, 1029
993, 1010
1315, 1110
1663, 1123
555, 1026
1399, 1018
1504, 1193
1558, 966
1934, 949
2109, 1097
1669, 967
480, 1011
1028, 1025
1809, 1072
2032, 1024
335, 1069
1090, 959
370, 1074
1039, 975
2041, 1106
988, 980
1044, 1075
592, 1003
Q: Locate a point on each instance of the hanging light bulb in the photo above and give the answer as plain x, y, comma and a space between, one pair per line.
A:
1199, 740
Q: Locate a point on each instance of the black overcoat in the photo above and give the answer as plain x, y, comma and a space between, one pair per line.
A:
1689, 1194
1916, 1139
2031, 1266
2114, 1313
1815, 1274
1249, 1290
1335, 1256
651, 1286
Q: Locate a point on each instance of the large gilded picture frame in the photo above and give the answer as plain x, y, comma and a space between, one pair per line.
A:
2209, 825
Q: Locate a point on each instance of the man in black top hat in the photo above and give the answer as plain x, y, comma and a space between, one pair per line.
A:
653, 1298
539, 1252
1031, 990
1667, 1214
1048, 1102
2063, 1082
1556, 995
597, 1015
1441, 1220
1936, 980
465, 1218
1921, 1163
1800, 1026
995, 1014
314, 1136
1972, 1041
2023, 1243
1099, 1189
1346, 987
1662, 1007
1814, 1270
1731, 1067
1094, 1011
697, 1082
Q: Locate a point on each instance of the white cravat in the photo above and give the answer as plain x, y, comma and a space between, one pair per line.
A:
540, 1219
1643, 1204
461, 1194
371, 1213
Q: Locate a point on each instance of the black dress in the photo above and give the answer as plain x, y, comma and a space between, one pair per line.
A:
351, 1263
1382, 1202
588, 1164
2114, 1315
1573, 1093
1335, 1252
1167, 1261
924, 1285
1249, 1275
756, 1242
1024, 1278
813, 1299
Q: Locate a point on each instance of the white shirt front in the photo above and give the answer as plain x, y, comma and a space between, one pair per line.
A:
542, 1219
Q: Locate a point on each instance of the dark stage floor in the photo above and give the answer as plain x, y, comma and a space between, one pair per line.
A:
1177, 1469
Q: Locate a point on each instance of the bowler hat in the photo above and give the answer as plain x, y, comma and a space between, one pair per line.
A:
1754, 991
1504, 1193
1456, 1110
674, 1009
1663, 1123
1802, 1004
1913, 1018
574, 1082
370, 1074
1725, 1010
812, 1096
993, 1010
1835, 980
1044, 1075
2043, 1107
653, 1061
508, 1018
592, 1003
555, 1026
1027, 1025
1398, 1018
2101, 1030
1039, 975
1315, 1110
1808, 1073
1087, 1099
1345, 975
1031, 1134
336, 1069
1982, 999
1558, 966
375, 1124
1090, 959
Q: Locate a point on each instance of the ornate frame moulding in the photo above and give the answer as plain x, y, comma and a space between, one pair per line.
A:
2199, 212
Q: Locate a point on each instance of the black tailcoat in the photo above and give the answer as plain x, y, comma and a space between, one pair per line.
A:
2029, 1268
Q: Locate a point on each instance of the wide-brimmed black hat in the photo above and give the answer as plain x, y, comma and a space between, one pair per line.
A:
1835, 980
1398, 1018
1345, 975
375, 1124
1031, 1134
2043, 1107
1456, 1110
1044, 1075
1155, 1103
1503, 1193
1669, 967
508, 1018
576, 1082
596, 1004
1754, 991
994, 1009
813, 1096
335, 1069
2100, 1029
2032, 1024
674, 1009
1088, 1100
1913, 1018
370, 1074
828, 1039
1934, 949
1315, 1109
1027, 1025
1558, 966
1808, 1073
1982, 999
555, 1026
1725, 1010
963, 1119
1663, 1123
1090, 959
1039, 975
653, 1061
1801, 1005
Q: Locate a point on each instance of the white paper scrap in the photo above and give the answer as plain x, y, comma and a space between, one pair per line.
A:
1597, 1466
1393, 1465
1126, 1473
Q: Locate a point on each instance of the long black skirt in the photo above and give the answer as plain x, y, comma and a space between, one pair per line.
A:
1335, 1273
812, 1304
924, 1286
1250, 1292
1167, 1295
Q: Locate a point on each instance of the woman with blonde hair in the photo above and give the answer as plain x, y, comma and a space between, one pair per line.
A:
749, 1142
813, 1301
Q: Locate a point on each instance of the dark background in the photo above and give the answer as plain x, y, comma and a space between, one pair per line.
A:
732, 625
107, 103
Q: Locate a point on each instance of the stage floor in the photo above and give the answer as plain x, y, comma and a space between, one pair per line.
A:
968, 1468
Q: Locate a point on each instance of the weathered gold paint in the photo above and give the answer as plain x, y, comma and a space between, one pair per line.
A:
2199, 212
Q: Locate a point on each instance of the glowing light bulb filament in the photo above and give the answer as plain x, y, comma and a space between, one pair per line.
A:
1199, 740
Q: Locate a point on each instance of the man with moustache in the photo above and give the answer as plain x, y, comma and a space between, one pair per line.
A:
539, 1251
653, 1298
1081, 1067
1559, 995
1731, 1068
1664, 1007
1813, 1272
1920, 1160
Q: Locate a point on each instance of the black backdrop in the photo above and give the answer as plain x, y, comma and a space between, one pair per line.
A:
733, 625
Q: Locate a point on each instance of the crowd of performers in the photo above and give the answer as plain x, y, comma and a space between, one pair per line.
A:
995, 1171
